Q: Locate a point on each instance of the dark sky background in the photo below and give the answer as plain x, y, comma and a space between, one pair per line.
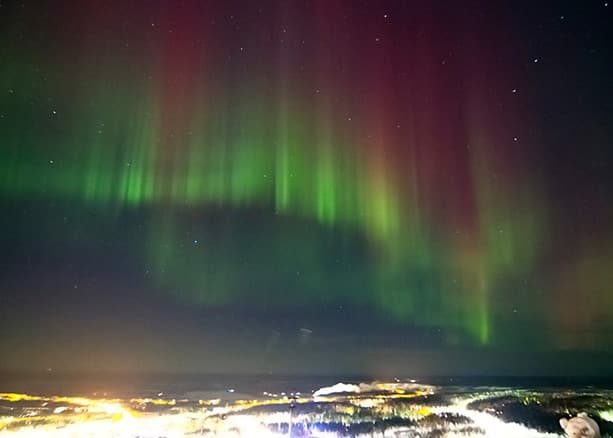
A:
340, 187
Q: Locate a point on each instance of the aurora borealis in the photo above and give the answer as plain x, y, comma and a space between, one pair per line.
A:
439, 170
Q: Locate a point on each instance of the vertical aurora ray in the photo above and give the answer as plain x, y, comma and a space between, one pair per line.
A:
283, 170
510, 221
325, 175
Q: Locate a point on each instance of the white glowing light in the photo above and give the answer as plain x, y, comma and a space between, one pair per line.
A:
336, 389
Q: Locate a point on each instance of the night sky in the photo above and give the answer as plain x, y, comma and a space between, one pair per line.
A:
334, 186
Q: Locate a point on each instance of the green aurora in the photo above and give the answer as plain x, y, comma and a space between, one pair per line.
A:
440, 213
